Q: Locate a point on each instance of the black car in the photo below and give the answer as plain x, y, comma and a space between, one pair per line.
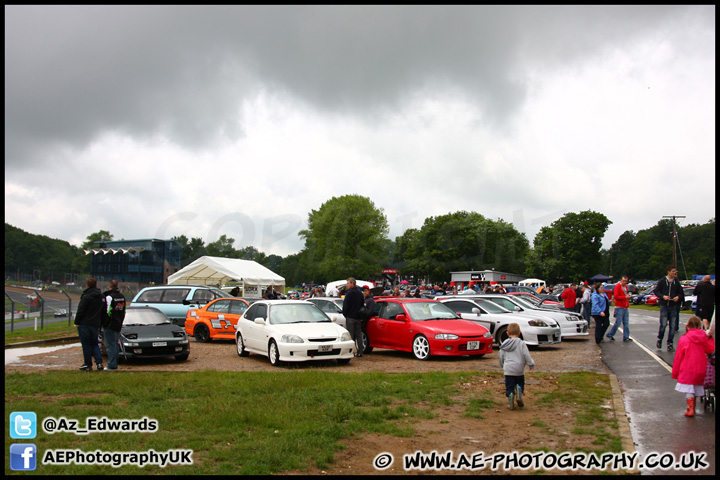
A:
148, 333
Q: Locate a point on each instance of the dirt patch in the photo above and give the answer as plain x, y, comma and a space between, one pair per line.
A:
502, 430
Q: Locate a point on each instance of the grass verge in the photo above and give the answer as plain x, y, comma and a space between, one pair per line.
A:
51, 331
252, 423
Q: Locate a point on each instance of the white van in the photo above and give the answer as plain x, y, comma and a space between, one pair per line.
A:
532, 282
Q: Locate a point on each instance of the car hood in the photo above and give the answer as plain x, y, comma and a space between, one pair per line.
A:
311, 330
151, 331
463, 328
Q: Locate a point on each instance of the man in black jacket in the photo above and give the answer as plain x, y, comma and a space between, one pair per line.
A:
670, 296
88, 319
354, 299
705, 292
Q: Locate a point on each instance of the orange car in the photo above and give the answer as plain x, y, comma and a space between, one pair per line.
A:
217, 319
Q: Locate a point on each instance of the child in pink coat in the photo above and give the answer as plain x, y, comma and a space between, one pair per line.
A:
690, 363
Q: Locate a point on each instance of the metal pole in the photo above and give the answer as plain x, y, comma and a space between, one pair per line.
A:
42, 310
673, 217
12, 313
69, 306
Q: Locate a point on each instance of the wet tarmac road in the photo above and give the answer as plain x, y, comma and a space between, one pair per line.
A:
655, 410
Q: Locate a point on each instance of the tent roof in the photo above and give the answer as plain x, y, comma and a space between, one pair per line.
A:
218, 271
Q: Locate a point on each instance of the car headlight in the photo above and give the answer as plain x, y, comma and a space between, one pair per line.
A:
487, 335
345, 337
537, 323
446, 336
291, 339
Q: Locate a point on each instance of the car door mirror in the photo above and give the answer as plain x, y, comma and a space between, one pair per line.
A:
401, 317
260, 321
517, 309
476, 311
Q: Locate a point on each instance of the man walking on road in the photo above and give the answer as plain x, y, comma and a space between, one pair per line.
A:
705, 292
669, 292
622, 314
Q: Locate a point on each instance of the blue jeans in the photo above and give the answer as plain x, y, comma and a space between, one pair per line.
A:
112, 347
622, 315
668, 318
586, 312
512, 381
90, 346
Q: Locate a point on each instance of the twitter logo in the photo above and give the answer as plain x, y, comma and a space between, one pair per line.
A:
23, 425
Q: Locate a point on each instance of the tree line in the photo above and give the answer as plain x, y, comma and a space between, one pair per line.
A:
348, 236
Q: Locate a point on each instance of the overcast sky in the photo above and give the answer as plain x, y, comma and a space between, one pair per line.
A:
158, 121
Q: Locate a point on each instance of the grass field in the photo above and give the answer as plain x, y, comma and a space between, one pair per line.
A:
257, 423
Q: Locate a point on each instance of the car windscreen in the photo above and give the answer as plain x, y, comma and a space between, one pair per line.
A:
421, 311
491, 307
296, 313
144, 317
523, 303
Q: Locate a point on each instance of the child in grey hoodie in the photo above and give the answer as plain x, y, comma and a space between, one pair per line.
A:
513, 357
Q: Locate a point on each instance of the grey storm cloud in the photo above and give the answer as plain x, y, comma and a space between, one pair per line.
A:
74, 72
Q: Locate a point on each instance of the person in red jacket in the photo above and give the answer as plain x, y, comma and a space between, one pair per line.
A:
690, 363
622, 314
569, 297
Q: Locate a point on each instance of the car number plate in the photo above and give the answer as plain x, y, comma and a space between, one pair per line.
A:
159, 344
325, 348
474, 345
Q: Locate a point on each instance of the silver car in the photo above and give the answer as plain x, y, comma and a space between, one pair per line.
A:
332, 307
571, 323
534, 329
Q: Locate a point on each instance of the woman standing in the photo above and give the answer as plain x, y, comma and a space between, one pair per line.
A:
690, 363
600, 311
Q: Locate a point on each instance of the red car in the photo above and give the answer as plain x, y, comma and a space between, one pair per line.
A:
425, 328
651, 299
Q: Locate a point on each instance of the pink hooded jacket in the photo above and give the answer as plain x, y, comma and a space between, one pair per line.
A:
690, 361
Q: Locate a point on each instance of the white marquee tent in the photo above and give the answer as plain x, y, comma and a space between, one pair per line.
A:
251, 276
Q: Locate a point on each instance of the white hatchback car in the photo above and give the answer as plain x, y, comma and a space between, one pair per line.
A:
291, 331
534, 329
571, 323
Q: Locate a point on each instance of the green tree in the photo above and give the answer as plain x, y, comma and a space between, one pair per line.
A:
222, 247
461, 241
345, 237
569, 249
191, 249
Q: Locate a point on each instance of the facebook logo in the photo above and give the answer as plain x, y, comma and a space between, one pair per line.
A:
23, 425
23, 456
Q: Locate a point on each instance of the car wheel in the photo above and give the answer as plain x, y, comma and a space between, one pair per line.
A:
687, 305
182, 357
201, 333
421, 347
366, 343
501, 335
240, 346
274, 354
